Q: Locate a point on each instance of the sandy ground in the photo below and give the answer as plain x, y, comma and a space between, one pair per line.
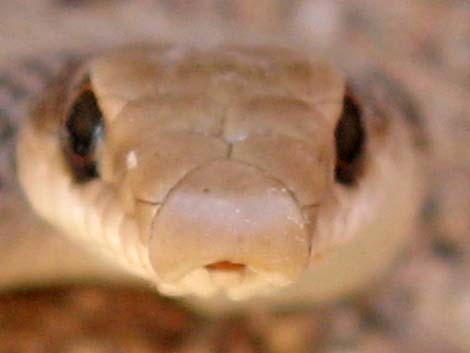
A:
423, 304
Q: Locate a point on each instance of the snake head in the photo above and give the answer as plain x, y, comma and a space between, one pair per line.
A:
228, 169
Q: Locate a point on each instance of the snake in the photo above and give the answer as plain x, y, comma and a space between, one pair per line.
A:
226, 173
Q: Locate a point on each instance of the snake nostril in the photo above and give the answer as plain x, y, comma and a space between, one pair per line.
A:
226, 266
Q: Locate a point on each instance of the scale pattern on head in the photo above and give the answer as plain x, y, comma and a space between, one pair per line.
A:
192, 163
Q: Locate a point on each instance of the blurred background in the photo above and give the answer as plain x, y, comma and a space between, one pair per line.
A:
422, 305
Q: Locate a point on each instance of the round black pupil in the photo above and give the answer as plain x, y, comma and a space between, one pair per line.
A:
350, 137
84, 124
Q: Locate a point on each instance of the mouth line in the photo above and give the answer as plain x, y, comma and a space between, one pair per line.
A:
226, 266
234, 285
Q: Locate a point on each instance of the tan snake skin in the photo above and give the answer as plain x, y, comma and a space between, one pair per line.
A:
214, 173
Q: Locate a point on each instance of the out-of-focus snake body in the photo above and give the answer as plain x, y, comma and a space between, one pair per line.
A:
253, 173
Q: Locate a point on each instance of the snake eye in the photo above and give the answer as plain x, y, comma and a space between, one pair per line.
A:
350, 137
84, 128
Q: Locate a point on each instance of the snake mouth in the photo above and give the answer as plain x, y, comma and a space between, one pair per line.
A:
226, 266
234, 281
230, 226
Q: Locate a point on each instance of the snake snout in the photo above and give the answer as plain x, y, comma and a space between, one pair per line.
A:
230, 217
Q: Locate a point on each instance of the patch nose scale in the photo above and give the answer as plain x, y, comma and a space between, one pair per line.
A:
229, 212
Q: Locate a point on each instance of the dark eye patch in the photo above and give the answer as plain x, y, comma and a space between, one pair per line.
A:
350, 138
83, 129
